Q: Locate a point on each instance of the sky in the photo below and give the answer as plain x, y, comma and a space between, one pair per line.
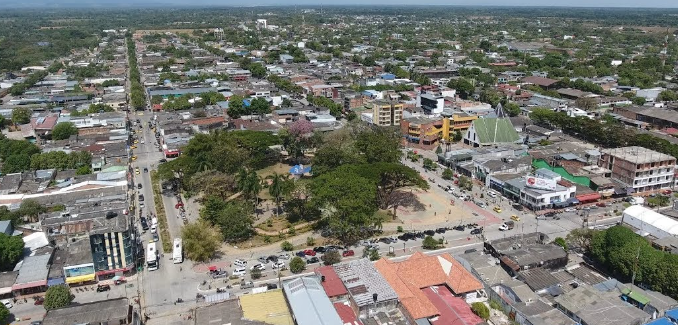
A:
558, 3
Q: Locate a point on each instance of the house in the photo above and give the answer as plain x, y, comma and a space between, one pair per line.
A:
490, 131
368, 291
587, 306
111, 311
542, 82
331, 282
422, 281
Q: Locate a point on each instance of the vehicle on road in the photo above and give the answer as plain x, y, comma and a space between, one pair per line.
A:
492, 194
319, 249
178, 205
601, 204
348, 253
177, 251
309, 252
515, 218
503, 227
278, 265
39, 301
312, 260
431, 180
134, 158
240, 262
7, 303
284, 256
155, 237
151, 257
570, 210
145, 170
240, 271
154, 229
259, 266
137, 169
144, 224
497, 209
219, 274
103, 287
481, 205
163, 160
141, 198
139, 186
477, 231
246, 285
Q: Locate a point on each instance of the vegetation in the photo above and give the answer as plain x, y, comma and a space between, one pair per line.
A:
137, 93
287, 246
560, 241
64, 130
57, 297
481, 310
297, 265
331, 257
11, 251
4, 314
201, 241
429, 243
21, 115
93, 108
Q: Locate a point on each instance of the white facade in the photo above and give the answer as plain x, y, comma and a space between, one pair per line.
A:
541, 199
649, 222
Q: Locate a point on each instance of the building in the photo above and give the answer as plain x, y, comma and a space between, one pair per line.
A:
386, 113
309, 303
369, 293
648, 222
544, 83
490, 131
32, 277
423, 132
353, 100
431, 103
428, 285
229, 312
587, 306
331, 282
639, 169
112, 311
268, 307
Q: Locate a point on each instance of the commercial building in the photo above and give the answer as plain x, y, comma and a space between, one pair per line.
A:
369, 292
268, 307
427, 132
490, 131
639, 169
112, 311
309, 303
32, 275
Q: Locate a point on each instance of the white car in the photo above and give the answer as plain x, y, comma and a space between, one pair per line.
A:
278, 265
7, 303
570, 210
503, 227
154, 229
239, 272
284, 256
492, 194
259, 266
240, 262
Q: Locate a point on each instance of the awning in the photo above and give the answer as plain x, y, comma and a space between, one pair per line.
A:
639, 297
80, 278
5, 290
33, 284
105, 272
573, 200
55, 282
588, 197
673, 313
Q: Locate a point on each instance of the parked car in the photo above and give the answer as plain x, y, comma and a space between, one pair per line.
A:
39, 301
309, 252
103, 287
301, 254
429, 232
259, 266
154, 229
333, 247
144, 223
272, 258
246, 285
240, 263
284, 256
240, 271
570, 210
441, 230
141, 198
601, 204
472, 250
278, 265
262, 259
515, 218
477, 231
503, 227
497, 209
7, 303
348, 253
155, 237
319, 249
312, 260
271, 286
219, 274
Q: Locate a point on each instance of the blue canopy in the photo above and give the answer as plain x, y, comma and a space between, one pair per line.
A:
673, 314
300, 170
661, 321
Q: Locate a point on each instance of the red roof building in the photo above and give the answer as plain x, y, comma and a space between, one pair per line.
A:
453, 310
332, 284
346, 314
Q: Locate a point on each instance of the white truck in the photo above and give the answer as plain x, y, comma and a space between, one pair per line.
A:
177, 251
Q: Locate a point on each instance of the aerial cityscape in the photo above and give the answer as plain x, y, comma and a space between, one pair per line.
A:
177, 163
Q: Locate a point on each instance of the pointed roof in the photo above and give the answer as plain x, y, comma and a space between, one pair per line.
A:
495, 130
499, 110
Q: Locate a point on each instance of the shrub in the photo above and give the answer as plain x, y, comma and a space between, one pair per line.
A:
429, 243
256, 274
287, 246
310, 241
297, 265
560, 241
495, 305
481, 310
57, 297
400, 228
331, 257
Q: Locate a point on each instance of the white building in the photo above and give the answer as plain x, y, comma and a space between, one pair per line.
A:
649, 223
262, 24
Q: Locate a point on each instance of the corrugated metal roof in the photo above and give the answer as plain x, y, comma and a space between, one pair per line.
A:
309, 303
268, 307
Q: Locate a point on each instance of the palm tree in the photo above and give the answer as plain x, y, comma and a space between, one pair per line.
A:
279, 187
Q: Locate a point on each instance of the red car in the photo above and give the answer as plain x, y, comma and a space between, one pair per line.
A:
601, 204
309, 252
348, 253
178, 205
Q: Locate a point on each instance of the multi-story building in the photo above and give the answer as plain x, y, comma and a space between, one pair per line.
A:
427, 132
353, 100
639, 168
386, 113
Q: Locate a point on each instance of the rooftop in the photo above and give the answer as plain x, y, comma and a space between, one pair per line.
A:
227, 312
594, 307
309, 303
33, 271
331, 283
362, 281
638, 155
268, 307
112, 311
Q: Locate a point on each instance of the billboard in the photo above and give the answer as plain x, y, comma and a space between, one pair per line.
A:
540, 183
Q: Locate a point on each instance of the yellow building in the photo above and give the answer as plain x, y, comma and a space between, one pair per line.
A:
427, 132
385, 113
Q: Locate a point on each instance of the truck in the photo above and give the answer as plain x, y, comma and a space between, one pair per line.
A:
177, 252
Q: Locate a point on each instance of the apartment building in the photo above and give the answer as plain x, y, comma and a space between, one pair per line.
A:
639, 168
385, 113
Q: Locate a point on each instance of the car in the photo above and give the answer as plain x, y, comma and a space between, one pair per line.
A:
139, 186
262, 259
429, 232
246, 285
219, 274
497, 209
240, 262
36, 322
503, 227
154, 229
145, 169
309, 252
144, 223
136, 171
155, 237
133, 159
136, 141
284, 256
178, 205
319, 249
334, 247
601, 204
570, 210
271, 286
472, 250
477, 231
259, 266
481, 205
7, 303
441, 230
431, 180
420, 235
142, 141
367, 243
301, 254
141, 198
239, 271
515, 218
385, 240
163, 160
459, 227
348, 253
492, 194
278, 265
133, 147
312, 260
103, 287
272, 258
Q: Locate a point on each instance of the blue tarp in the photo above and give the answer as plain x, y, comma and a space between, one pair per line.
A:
300, 170
673, 314
661, 321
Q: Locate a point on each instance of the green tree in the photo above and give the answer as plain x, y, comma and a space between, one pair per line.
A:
448, 174
512, 109
463, 87
586, 103
379, 145
332, 257
490, 96
465, 183
481, 310
58, 296
64, 130
297, 265
667, 96
429, 243
310, 241
83, 170
31, 209
374, 255
21, 115
11, 251
457, 136
259, 106
235, 221
429, 164
280, 186
560, 241
4, 314
201, 241
580, 238
638, 101
286, 102
255, 274
236, 107
286, 246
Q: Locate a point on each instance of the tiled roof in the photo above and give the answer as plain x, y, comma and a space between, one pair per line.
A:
332, 284
346, 314
421, 271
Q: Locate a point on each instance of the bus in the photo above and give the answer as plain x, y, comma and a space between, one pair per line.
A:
177, 252
151, 257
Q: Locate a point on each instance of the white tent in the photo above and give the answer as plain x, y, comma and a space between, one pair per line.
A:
650, 222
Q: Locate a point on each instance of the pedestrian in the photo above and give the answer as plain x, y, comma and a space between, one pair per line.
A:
435, 213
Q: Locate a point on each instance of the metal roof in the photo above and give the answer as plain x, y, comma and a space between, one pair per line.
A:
363, 280
309, 303
33, 269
